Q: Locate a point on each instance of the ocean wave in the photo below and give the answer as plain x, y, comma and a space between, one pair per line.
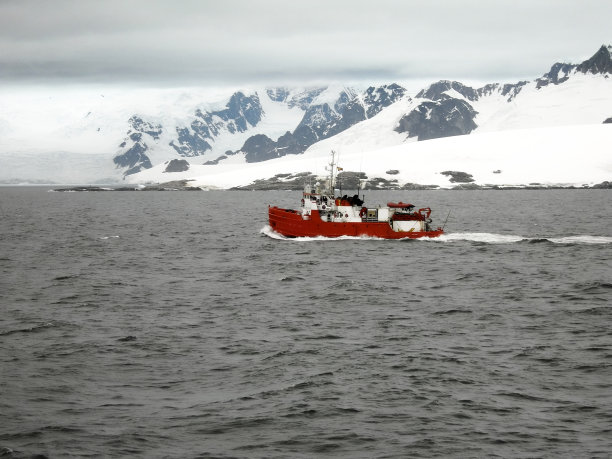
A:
33, 329
583, 239
492, 238
488, 238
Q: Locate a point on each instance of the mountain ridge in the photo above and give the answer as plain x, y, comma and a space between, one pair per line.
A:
260, 125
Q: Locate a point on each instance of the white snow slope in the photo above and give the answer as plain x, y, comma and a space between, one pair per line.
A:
568, 155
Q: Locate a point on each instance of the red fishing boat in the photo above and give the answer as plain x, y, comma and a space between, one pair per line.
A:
322, 213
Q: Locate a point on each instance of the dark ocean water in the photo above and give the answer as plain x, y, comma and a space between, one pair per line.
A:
173, 324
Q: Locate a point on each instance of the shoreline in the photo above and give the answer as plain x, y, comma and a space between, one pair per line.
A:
282, 186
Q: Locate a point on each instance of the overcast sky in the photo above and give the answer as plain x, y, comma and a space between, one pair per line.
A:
202, 42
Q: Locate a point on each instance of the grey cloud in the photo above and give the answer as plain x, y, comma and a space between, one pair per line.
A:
245, 41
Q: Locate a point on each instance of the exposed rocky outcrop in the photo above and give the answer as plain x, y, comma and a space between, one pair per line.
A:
177, 165
439, 91
175, 185
214, 162
445, 112
558, 74
134, 157
375, 99
435, 119
381, 183
600, 62
293, 182
346, 180
467, 186
260, 147
445, 89
458, 177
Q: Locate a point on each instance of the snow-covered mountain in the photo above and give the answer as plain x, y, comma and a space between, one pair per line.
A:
324, 112
256, 133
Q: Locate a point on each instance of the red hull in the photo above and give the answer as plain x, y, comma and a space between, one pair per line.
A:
291, 224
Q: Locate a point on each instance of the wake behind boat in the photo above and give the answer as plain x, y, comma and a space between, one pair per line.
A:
322, 213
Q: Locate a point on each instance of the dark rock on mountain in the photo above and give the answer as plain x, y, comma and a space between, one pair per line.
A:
138, 125
509, 90
607, 121
177, 165
600, 62
558, 74
350, 110
322, 121
458, 177
134, 159
488, 89
189, 144
378, 98
214, 162
432, 120
260, 147
512, 90
437, 91
448, 111
241, 112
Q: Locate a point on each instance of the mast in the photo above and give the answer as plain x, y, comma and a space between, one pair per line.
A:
331, 173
